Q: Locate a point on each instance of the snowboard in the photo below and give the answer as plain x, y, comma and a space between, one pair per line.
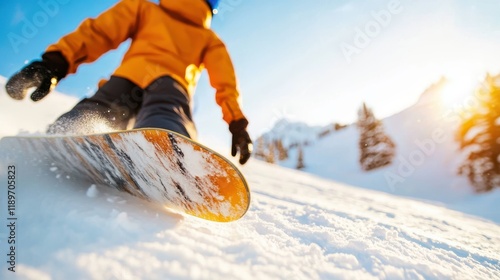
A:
157, 165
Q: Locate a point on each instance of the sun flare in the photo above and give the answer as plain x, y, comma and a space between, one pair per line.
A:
457, 91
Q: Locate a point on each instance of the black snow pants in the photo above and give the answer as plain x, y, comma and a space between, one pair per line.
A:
116, 104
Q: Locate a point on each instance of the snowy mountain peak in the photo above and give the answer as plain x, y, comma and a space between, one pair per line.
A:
292, 133
433, 93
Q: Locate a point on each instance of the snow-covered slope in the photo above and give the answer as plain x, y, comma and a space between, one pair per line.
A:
298, 227
426, 162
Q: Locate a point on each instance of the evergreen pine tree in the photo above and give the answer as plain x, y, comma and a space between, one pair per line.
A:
376, 148
282, 151
479, 137
260, 150
300, 158
271, 157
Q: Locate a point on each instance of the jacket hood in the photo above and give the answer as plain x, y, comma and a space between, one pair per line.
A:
195, 11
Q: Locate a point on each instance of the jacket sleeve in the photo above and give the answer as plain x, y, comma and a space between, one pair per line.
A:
223, 78
96, 36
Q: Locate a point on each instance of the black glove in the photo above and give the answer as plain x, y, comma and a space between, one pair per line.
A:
43, 75
241, 140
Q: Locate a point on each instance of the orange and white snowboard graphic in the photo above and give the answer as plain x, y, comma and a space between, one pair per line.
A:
154, 164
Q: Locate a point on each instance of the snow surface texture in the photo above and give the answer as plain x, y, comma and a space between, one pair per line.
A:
298, 227
426, 162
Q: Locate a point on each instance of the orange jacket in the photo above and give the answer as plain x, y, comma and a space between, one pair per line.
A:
173, 38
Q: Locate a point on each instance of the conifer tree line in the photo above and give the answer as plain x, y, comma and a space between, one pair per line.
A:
376, 148
271, 152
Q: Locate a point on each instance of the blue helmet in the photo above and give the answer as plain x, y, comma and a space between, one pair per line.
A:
214, 4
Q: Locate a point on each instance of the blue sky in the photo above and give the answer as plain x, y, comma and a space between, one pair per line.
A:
291, 58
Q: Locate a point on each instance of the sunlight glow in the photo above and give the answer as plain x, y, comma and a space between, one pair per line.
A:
458, 90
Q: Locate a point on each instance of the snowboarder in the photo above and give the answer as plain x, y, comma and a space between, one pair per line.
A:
171, 43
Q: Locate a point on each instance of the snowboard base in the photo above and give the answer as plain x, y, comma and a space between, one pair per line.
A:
157, 165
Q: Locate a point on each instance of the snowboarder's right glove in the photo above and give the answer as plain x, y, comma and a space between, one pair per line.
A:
241, 140
43, 75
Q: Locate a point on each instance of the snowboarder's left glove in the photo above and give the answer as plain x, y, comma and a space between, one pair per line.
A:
43, 75
241, 140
